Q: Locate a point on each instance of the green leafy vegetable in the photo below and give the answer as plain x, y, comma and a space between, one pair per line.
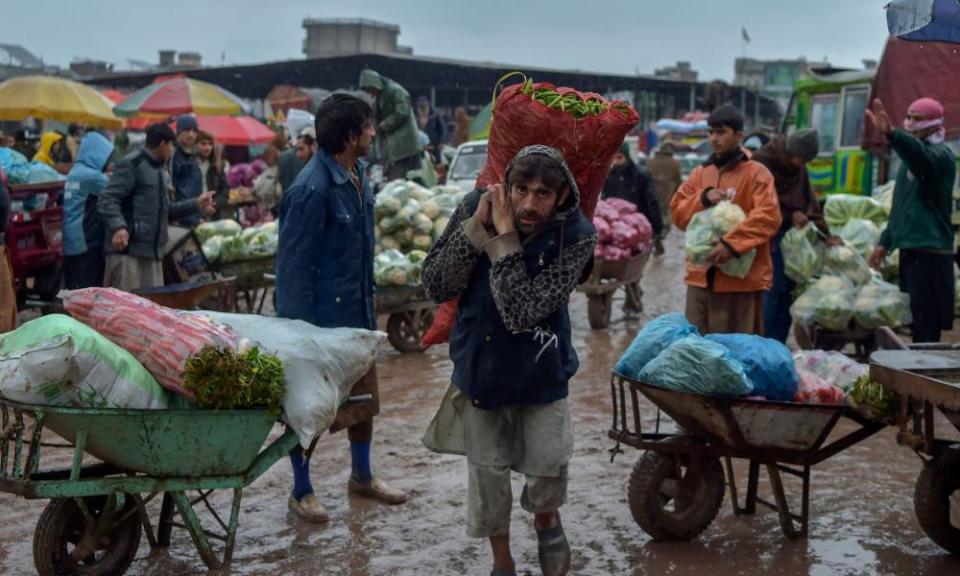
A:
223, 379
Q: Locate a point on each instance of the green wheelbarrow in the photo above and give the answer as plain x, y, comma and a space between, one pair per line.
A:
97, 513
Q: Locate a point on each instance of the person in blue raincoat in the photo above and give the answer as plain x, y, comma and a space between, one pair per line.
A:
325, 276
83, 234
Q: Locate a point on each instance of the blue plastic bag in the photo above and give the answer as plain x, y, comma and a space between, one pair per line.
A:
652, 340
696, 365
40, 172
15, 164
768, 363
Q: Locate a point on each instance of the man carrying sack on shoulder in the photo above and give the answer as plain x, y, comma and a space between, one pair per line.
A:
513, 254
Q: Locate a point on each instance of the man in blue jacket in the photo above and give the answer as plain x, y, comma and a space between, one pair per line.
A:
514, 254
325, 276
184, 169
83, 259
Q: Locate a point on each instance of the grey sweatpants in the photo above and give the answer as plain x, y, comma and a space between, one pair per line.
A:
536, 441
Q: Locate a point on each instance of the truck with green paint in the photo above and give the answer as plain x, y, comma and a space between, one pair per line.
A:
833, 102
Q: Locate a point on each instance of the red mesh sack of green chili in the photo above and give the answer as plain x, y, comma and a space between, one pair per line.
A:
585, 127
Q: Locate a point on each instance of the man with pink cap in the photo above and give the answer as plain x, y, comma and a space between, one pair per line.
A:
920, 219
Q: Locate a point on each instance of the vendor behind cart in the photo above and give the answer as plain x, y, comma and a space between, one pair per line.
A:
136, 208
920, 223
325, 277
513, 254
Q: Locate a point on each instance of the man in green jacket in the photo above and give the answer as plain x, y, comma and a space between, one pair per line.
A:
920, 219
395, 124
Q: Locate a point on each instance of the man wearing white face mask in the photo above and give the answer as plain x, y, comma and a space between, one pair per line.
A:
920, 219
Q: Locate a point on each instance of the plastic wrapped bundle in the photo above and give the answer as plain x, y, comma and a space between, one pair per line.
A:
835, 368
845, 261
696, 365
861, 235
841, 208
880, 303
800, 259
706, 228
828, 302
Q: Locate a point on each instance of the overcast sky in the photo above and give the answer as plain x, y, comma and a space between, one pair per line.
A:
617, 36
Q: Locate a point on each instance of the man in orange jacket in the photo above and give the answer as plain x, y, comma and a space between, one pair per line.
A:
716, 302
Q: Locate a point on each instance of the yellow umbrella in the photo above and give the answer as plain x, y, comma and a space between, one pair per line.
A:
52, 98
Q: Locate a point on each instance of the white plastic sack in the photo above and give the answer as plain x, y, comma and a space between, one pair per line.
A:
58, 361
321, 365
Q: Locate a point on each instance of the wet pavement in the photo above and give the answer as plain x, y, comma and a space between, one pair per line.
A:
861, 502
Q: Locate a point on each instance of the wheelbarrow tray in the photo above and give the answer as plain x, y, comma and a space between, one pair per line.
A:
932, 376
745, 425
390, 299
247, 274
165, 443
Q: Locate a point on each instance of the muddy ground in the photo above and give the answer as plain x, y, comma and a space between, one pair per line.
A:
862, 499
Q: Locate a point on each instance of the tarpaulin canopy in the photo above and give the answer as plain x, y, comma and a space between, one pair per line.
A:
925, 20
912, 70
53, 98
115, 97
181, 96
236, 130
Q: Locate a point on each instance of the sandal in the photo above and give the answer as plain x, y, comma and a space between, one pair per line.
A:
554, 550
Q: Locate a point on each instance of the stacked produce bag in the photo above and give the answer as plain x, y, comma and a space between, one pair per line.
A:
622, 231
836, 289
119, 350
226, 241
670, 353
409, 219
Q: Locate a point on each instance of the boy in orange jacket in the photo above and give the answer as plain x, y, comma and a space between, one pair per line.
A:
716, 302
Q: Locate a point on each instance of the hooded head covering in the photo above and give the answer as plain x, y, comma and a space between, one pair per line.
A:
931, 113
46, 144
573, 202
95, 151
370, 79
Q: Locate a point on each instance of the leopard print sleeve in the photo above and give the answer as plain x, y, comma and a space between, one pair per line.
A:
524, 301
449, 265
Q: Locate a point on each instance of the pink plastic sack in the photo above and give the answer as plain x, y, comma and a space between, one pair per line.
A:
161, 338
815, 390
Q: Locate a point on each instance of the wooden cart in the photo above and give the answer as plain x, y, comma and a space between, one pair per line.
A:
607, 277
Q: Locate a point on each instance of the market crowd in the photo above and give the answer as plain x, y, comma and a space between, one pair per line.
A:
512, 253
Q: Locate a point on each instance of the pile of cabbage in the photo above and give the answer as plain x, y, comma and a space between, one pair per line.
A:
225, 241
409, 219
622, 232
707, 227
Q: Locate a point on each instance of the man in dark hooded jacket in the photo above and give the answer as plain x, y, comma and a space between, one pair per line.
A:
513, 254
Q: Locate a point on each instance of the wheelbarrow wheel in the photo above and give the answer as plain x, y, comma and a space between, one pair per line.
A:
932, 502
670, 499
599, 308
62, 533
405, 330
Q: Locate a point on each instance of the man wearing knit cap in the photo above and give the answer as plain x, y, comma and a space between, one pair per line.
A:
184, 170
786, 159
920, 218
